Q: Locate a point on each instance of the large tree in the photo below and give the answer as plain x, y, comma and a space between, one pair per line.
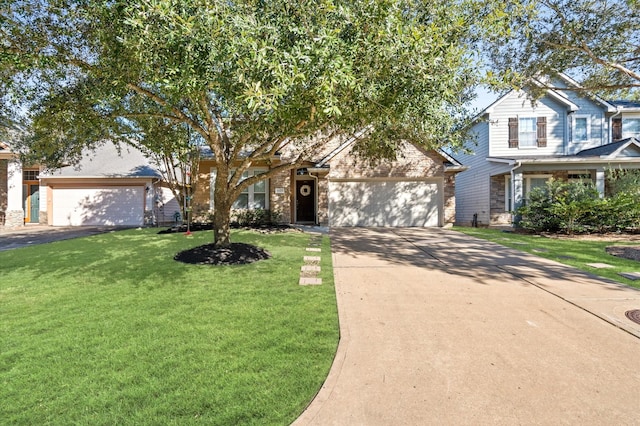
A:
595, 41
249, 78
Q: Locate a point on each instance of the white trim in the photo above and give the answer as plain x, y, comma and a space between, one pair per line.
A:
573, 127
212, 181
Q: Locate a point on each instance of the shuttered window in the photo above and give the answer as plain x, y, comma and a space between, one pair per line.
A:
527, 132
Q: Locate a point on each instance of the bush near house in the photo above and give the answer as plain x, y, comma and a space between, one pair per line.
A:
575, 207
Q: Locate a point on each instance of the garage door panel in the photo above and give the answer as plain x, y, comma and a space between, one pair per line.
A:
112, 206
384, 203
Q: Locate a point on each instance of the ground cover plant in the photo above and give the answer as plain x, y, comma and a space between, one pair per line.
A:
110, 329
573, 251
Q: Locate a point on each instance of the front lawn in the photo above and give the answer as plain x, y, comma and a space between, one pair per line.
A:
570, 251
110, 330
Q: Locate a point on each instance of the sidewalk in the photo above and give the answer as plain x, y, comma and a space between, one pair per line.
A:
440, 328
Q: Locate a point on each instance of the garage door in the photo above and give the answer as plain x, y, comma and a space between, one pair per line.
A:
384, 203
113, 206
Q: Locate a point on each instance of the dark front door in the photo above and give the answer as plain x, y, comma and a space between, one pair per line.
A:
306, 201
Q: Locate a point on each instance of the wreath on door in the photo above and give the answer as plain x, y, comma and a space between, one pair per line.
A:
305, 190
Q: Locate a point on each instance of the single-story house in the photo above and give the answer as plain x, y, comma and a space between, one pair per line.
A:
340, 189
109, 186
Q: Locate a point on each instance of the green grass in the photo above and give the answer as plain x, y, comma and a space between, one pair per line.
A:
110, 330
580, 251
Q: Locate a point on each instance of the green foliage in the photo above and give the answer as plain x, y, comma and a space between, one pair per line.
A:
596, 40
255, 217
248, 78
560, 206
572, 207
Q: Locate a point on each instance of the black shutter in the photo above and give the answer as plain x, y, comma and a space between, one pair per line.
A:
542, 132
513, 132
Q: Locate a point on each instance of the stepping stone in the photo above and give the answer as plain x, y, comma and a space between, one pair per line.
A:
312, 258
313, 249
310, 268
310, 281
599, 265
634, 276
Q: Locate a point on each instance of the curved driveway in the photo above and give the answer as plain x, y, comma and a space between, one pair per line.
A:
440, 328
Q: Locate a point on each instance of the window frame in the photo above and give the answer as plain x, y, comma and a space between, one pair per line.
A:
587, 119
252, 171
533, 133
625, 133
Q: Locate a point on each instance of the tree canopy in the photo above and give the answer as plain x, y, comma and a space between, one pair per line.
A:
246, 77
595, 41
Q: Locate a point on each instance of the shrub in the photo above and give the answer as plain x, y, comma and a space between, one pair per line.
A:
255, 217
560, 206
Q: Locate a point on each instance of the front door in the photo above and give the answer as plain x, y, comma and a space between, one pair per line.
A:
306, 201
31, 203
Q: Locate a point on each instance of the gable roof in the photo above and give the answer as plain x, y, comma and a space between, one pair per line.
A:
629, 147
108, 161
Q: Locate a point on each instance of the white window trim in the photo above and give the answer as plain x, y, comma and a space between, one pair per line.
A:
213, 172
535, 132
527, 182
629, 117
573, 122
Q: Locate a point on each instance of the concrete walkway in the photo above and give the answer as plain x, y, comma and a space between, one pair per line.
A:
440, 328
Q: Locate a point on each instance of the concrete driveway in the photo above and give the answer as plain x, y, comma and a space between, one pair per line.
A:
440, 328
41, 234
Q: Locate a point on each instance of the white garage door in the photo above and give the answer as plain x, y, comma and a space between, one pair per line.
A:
384, 203
113, 206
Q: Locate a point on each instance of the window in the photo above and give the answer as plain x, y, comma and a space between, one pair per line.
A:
30, 174
256, 196
534, 181
578, 176
631, 127
581, 128
527, 132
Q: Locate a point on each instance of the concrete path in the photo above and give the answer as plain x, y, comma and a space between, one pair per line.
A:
441, 328
12, 238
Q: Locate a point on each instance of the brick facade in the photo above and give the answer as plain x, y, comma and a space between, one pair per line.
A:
412, 163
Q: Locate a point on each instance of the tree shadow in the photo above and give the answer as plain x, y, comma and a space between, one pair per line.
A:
461, 255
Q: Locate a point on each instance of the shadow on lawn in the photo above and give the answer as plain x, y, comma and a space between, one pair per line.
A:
135, 257
455, 253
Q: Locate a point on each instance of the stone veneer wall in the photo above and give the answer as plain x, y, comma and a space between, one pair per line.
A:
3, 190
449, 199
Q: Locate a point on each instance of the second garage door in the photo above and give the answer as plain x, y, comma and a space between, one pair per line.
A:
111, 206
385, 203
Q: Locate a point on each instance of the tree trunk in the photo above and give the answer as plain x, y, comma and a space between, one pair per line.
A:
222, 209
221, 227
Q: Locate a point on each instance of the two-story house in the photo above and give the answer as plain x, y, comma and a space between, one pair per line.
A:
520, 143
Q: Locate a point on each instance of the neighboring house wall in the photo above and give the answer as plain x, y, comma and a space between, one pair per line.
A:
472, 185
516, 105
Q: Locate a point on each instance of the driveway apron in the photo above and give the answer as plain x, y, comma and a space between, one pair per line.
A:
441, 328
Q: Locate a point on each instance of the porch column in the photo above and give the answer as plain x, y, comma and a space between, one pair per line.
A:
15, 213
600, 180
518, 189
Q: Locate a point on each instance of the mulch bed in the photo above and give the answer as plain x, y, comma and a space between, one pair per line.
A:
235, 254
627, 252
